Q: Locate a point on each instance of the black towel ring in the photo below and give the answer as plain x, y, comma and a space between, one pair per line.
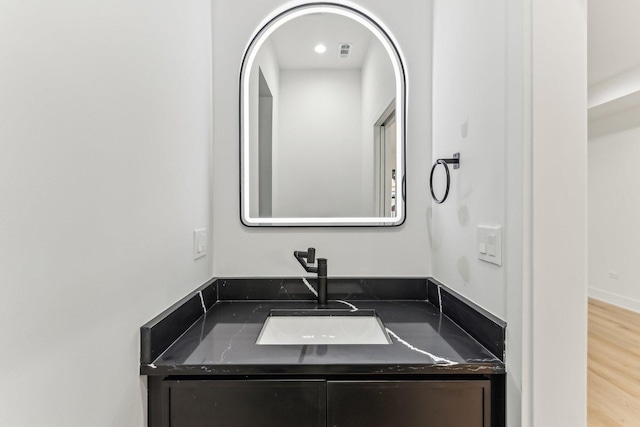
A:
455, 161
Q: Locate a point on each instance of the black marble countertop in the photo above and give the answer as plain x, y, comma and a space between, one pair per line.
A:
424, 341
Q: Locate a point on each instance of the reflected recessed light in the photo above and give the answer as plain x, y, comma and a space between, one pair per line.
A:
320, 48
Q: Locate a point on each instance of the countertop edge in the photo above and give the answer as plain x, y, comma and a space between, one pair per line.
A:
320, 370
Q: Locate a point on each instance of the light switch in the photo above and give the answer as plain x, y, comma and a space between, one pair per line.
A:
199, 243
490, 243
482, 241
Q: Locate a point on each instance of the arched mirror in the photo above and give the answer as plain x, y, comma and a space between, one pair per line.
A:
322, 121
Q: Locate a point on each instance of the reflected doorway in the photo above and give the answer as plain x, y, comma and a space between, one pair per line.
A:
385, 161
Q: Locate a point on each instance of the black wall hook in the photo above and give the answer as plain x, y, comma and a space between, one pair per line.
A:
455, 161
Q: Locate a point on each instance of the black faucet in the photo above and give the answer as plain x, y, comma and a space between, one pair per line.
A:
309, 257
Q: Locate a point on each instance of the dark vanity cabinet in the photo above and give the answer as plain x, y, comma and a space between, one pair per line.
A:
246, 403
319, 403
408, 403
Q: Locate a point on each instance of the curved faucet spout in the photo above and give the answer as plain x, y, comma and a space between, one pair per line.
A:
305, 258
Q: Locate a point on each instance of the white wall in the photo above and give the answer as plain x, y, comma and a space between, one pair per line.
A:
393, 251
555, 330
105, 123
319, 144
378, 90
518, 189
614, 208
469, 91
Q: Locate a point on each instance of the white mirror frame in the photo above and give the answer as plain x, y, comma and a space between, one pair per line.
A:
395, 56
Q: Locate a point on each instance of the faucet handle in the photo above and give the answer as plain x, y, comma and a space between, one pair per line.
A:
311, 255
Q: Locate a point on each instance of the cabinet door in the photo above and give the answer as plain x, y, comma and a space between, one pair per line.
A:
409, 403
247, 403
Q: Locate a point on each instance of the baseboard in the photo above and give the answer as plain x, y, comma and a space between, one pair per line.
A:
620, 301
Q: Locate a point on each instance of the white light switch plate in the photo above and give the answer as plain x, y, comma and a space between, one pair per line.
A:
490, 243
199, 243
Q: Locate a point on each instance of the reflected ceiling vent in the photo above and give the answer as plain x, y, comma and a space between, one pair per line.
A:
344, 49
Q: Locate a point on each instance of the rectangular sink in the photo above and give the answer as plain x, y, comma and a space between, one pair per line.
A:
322, 327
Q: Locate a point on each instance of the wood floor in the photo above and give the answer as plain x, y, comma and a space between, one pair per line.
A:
613, 366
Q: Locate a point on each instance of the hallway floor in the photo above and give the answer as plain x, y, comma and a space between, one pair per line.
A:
613, 366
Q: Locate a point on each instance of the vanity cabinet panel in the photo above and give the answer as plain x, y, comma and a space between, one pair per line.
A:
252, 403
409, 403
320, 403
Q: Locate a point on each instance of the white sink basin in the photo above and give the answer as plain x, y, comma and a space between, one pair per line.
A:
322, 326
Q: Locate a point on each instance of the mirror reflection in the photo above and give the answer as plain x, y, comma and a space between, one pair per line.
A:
322, 122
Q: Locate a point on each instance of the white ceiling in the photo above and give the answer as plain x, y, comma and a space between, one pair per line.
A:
294, 42
613, 38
